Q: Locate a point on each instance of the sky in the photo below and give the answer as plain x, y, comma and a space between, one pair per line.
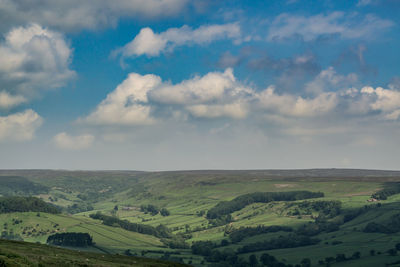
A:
179, 84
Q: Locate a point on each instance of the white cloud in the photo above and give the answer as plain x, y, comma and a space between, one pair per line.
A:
297, 106
152, 44
74, 15
146, 99
234, 110
68, 142
337, 23
212, 86
139, 99
328, 80
8, 101
384, 100
127, 104
34, 59
213, 95
19, 126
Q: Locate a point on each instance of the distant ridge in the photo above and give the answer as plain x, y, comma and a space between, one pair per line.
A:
289, 173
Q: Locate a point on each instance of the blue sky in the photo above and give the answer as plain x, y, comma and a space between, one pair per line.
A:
178, 84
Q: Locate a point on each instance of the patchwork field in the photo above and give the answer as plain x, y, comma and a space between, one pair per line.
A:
346, 226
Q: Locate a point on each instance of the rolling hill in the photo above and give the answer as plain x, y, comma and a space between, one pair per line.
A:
342, 224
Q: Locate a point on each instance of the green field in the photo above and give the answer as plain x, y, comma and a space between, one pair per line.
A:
188, 195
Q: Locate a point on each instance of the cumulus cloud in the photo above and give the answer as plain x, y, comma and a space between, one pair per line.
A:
152, 44
127, 104
67, 142
8, 101
75, 15
212, 86
33, 59
310, 28
233, 110
297, 106
384, 100
328, 80
141, 98
19, 126
216, 94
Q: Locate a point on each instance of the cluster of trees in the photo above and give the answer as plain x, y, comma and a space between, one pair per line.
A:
25, 204
208, 248
290, 241
70, 239
160, 231
317, 227
229, 257
237, 235
154, 210
227, 207
339, 258
79, 207
354, 213
389, 190
203, 248
329, 209
176, 242
15, 185
388, 227
10, 235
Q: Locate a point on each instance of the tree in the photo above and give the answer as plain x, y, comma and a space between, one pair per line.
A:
164, 212
306, 262
392, 252
253, 260
267, 259
372, 252
340, 257
356, 255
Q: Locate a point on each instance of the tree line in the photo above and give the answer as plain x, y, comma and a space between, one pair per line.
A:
392, 225
388, 190
154, 210
25, 204
70, 239
160, 231
225, 208
241, 233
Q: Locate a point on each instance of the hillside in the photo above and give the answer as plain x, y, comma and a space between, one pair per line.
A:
14, 253
330, 217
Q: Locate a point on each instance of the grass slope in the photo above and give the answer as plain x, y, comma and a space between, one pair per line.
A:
14, 253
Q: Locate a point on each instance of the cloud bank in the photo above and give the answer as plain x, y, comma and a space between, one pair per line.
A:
20, 126
33, 59
67, 142
76, 15
140, 99
339, 24
152, 44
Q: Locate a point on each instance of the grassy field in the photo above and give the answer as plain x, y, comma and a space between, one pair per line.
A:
189, 195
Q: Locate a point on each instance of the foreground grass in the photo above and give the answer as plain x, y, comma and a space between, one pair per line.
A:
15, 253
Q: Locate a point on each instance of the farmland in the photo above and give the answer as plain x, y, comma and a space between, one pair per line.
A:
330, 226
